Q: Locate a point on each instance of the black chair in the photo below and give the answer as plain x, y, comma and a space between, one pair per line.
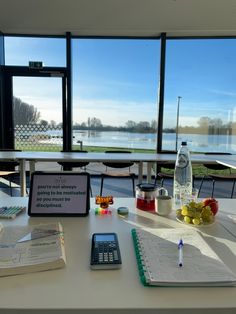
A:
8, 168
69, 165
162, 175
117, 174
218, 177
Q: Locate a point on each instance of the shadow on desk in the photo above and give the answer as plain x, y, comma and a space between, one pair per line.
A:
139, 221
222, 251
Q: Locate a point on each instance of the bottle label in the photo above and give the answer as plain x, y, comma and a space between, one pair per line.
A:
182, 161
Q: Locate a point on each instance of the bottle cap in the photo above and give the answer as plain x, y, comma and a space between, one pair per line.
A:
184, 143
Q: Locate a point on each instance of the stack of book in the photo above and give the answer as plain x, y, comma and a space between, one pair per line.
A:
25, 249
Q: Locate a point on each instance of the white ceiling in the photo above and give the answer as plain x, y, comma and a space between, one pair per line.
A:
119, 17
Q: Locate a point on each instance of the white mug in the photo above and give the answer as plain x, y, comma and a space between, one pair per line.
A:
162, 191
163, 205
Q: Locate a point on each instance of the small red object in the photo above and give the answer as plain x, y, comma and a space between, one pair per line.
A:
212, 203
145, 204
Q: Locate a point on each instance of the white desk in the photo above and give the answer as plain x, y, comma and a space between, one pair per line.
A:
139, 158
229, 161
34, 157
77, 289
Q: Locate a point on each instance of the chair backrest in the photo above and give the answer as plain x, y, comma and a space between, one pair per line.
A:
118, 164
74, 151
9, 165
166, 165
216, 166
74, 164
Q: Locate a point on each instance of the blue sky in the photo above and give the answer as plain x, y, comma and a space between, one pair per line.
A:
117, 80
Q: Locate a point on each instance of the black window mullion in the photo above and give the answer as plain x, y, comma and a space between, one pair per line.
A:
161, 93
67, 119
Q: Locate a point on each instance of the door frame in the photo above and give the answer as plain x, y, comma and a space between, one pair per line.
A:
7, 127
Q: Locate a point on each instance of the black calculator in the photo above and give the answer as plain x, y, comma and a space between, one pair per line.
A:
105, 251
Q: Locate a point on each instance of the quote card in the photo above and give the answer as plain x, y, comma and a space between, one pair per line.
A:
59, 193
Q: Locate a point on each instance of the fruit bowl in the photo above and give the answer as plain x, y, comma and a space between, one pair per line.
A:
201, 224
196, 214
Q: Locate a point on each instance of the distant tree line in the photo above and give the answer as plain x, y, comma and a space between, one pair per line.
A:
210, 126
130, 126
25, 114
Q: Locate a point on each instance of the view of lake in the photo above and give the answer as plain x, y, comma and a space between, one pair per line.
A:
196, 142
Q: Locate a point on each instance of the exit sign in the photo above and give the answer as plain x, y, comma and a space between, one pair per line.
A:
35, 64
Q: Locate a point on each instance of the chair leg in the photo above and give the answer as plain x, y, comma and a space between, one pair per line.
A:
10, 186
232, 193
101, 187
162, 182
213, 188
200, 187
133, 185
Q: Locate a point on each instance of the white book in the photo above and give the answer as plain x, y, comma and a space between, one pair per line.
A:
158, 255
42, 249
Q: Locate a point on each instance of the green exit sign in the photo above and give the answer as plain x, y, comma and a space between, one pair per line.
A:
35, 64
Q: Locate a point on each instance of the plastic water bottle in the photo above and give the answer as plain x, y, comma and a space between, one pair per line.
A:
183, 182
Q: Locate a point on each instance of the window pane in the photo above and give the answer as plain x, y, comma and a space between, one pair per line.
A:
115, 92
202, 73
37, 113
21, 50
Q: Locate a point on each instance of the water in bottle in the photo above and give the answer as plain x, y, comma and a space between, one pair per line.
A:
183, 175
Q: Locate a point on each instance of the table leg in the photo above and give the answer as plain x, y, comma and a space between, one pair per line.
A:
149, 172
22, 178
140, 172
32, 166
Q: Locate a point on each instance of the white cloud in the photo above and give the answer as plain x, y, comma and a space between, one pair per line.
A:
223, 92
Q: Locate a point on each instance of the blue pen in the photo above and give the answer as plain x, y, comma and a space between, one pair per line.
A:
180, 248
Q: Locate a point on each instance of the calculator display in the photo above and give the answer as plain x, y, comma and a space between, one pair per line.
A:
104, 237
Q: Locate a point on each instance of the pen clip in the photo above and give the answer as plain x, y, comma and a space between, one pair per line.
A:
181, 243
180, 248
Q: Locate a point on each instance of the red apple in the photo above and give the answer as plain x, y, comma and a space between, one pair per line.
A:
213, 203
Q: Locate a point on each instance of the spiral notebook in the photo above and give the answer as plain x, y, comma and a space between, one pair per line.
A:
157, 257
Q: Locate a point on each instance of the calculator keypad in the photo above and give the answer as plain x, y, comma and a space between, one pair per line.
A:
106, 252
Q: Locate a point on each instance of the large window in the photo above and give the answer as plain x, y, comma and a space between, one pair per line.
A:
115, 86
200, 95
115, 90
37, 100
